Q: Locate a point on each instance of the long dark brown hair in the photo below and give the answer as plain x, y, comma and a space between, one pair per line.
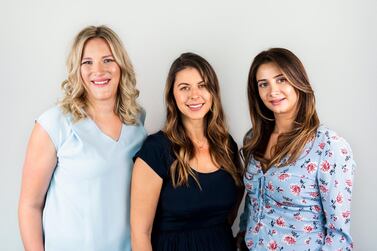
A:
289, 145
215, 128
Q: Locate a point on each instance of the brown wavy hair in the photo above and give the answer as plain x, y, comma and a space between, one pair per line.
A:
74, 99
216, 130
289, 145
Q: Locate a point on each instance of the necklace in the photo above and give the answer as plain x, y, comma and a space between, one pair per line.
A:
201, 144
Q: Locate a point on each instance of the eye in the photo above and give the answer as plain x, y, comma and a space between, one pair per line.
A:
281, 80
202, 85
184, 88
108, 60
262, 84
88, 62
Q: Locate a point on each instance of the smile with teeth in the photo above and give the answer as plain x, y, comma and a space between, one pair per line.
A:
102, 82
195, 107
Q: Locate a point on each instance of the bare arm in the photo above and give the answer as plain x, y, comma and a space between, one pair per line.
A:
39, 165
145, 192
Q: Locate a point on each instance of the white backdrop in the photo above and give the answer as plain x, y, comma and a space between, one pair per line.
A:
336, 40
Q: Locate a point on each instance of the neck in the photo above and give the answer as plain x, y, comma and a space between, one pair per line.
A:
195, 129
100, 109
283, 123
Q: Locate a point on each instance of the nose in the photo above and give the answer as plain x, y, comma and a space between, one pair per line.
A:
98, 67
274, 90
195, 92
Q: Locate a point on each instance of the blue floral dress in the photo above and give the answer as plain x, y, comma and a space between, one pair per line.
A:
305, 205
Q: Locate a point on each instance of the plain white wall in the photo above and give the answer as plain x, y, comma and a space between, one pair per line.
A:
336, 40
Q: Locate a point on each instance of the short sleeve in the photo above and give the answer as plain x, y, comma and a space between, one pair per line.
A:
248, 136
155, 152
55, 123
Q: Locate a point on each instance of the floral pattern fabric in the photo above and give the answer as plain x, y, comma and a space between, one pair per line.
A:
305, 205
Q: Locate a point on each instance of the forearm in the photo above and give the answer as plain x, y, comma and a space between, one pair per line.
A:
30, 220
141, 242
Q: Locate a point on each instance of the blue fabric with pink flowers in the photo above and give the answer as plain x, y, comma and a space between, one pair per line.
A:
303, 206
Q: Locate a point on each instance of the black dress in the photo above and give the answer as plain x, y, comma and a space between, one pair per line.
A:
188, 218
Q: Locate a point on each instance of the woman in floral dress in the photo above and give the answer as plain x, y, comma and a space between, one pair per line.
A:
299, 173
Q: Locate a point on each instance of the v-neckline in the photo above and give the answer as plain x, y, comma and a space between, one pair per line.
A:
104, 134
310, 144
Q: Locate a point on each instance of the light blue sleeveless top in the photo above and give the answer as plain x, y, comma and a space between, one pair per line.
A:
88, 201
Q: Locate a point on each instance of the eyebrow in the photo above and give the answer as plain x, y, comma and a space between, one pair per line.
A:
107, 56
277, 76
184, 83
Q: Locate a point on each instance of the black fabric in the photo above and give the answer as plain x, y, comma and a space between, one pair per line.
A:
188, 218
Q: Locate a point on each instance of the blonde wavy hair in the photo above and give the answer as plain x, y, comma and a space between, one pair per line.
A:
74, 100
289, 145
215, 128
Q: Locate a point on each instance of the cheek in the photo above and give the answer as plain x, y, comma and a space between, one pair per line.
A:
84, 74
178, 97
210, 100
115, 72
262, 96
291, 92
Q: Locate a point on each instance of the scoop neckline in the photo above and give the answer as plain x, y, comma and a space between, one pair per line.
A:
212, 172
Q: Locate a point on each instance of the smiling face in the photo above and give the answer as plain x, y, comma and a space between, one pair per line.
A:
276, 92
191, 95
99, 71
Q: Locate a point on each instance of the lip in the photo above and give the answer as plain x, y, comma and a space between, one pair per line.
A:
195, 107
276, 102
100, 82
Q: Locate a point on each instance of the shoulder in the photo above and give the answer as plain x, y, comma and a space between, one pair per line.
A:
157, 141
53, 114
54, 118
141, 116
330, 138
156, 152
248, 136
56, 124
333, 145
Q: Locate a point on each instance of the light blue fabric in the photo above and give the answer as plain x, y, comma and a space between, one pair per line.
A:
88, 200
303, 206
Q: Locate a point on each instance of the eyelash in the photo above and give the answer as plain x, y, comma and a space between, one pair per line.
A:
106, 60
281, 80
185, 88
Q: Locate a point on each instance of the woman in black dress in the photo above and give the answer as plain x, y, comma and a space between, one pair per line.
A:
186, 182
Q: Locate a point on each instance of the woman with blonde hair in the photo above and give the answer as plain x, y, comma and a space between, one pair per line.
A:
299, 173
186, 182
77, 171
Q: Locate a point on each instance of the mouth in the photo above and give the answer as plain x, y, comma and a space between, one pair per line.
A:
195, 107
277, 101
100, 82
